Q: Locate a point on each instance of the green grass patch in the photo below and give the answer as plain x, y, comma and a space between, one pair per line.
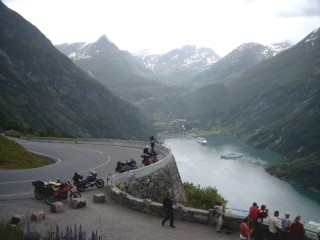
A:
10, 232
14, 156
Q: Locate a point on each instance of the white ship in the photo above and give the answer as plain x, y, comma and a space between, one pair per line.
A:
201, 140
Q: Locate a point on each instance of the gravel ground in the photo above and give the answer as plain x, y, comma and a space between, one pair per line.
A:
109, 219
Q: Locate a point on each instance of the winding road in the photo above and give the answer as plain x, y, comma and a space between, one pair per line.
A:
70, 157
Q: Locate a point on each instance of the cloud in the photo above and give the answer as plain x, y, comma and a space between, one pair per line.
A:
167, 24
300, 8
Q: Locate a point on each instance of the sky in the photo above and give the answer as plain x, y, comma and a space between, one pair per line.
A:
162, 25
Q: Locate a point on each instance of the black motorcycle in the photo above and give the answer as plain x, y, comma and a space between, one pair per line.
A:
127, 166
90, 181
44, 189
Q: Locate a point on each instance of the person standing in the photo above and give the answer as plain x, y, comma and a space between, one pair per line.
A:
244, 229
218, 216
274, 226
168, 208
263, 213
152, 143
286, 223
297, 231
253, 215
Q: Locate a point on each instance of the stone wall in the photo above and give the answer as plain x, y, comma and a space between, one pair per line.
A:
152, 181
180, 212
156, 184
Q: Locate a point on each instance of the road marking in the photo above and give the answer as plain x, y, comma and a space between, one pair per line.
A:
15, 194
88, 149
24, 181
1, 183
107, 161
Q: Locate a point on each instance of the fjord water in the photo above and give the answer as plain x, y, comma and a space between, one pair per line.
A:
243, 180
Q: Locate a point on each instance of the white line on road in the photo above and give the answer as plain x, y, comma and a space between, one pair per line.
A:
15, 194
107, 161
87, 149
1, 183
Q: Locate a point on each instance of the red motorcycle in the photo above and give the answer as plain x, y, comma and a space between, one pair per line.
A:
149, 158
62, 192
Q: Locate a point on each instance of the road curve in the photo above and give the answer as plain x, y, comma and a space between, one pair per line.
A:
70, 157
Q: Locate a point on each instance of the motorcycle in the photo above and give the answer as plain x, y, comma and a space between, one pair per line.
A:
61, 193
127, 166
90, 181
149, 158
44, 189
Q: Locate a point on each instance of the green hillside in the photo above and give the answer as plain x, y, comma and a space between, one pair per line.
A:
274, 105
40, 87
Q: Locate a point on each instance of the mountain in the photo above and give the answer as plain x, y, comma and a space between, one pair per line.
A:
175, 67
116, 69
241, 59
274, 105
40, 87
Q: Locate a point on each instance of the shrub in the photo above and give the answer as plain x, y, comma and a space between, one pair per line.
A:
202, 198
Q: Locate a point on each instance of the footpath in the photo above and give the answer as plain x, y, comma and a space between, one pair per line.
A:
111, 220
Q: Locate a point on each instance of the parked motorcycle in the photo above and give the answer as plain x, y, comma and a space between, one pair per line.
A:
62, 192
44, 189
127, 166
149, 158
90, 181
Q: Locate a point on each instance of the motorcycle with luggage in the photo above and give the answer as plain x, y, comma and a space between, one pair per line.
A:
43, 189
126, 166
91, 181
62, 192
150, 158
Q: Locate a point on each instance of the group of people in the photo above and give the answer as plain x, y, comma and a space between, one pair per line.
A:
284, 229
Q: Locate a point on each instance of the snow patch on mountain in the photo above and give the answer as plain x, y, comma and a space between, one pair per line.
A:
81, 51
313, 36
186, 58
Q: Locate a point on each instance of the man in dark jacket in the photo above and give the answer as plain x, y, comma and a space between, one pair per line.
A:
152, 142
168, 207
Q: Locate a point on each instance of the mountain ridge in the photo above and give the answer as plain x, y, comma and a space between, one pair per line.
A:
41, 87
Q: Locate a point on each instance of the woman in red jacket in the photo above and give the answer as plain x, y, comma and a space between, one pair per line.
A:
297, 231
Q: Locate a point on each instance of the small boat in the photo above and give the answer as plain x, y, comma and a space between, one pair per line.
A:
201, 140
231, 156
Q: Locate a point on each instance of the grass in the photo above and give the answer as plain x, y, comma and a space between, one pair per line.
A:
14, 156
10, 232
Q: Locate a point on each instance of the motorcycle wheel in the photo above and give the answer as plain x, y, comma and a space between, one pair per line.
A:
99, 183
39, 196
51, 199
81, 188
75, 195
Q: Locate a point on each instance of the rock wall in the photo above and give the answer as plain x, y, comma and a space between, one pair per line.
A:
157, 183
153, 181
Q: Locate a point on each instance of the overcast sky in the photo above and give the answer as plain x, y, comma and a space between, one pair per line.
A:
162, 25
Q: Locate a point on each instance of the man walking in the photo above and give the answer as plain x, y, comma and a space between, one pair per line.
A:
168, 208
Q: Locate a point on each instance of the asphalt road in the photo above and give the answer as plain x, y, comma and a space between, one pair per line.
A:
70, 158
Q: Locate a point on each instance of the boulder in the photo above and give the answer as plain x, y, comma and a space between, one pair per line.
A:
17, 219
78, 202
56, 207
99, 197
38, 216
